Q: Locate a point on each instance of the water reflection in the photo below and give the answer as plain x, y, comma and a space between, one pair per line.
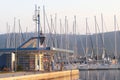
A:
100, 75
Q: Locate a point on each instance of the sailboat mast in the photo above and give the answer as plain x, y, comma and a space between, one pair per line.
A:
66, 35
96, 37
115, 36
44, 17
14, 27
75, 35
20, 37
52, 40
103, 41
102, 32
55, 29
66, 32
61, 34
86, 39
8, 36
61, 38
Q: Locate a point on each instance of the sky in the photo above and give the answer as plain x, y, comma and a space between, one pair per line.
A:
82, 9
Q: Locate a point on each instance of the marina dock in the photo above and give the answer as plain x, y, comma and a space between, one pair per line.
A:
58, 75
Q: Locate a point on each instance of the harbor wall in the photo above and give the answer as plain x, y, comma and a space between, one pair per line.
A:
59, 75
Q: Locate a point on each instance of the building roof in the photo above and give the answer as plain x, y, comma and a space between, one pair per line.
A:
32, 50
26, 47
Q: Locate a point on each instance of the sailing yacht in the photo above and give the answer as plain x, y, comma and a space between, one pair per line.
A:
106, 62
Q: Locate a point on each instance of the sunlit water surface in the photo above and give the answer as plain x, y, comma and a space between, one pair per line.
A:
100, 75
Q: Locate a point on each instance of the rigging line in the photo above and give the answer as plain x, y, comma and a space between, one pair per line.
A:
118, 28
102, 32
12, 39
99, 32
52, 26
61, 33
56, 43
81, 41
55, 29
53, 32
108, 39
50, 30
44, 17
52, 43
21, 30
107, 31
91, 39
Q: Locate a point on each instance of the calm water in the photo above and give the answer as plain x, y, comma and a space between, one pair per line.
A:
100, 75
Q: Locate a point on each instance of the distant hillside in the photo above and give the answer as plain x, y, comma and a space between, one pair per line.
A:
67, 41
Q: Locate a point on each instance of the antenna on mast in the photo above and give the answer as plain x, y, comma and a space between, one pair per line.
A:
36, 18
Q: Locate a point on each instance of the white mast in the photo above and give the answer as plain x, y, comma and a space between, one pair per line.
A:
115, 36
66, 35
14, 45
52, 42
61, 46
96, 37
61, 40
8, 36
75, 35
20, 38
44, 23
103, 41
44, 17
55, 29
86, 51
26, 36
81, 41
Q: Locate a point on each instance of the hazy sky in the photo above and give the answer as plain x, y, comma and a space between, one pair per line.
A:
24, 10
